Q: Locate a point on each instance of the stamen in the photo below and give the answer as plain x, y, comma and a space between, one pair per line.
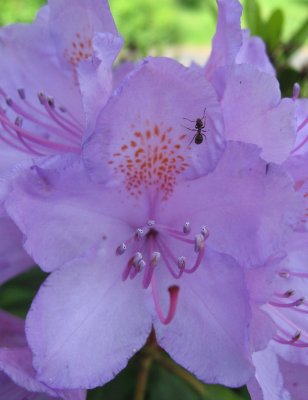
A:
35, 143
287, 274
299, 128
154, 249
296, 303
22, 93
139, 233
155, 257
141, 265
166, 252
121, 249
199, 242
205, 232
137, 259
286, 294
296, 91
186, 228
181, 262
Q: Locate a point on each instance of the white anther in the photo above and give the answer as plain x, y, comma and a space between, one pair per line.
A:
22, 93
139, 233
155, 257
137, 258
151, 223
181, 262
121, 249
199, 242
205, 232
42, 98
186, 228
141, 264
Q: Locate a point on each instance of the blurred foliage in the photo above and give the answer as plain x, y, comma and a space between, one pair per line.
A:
18, 10
158, 27
279, 49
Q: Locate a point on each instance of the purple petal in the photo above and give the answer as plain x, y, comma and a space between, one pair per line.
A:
295, 379
248, 206
95, 78
143, 118
301, 144
28, 62
16, 372
10, 391
228, 37
73, 212
253, 51
13, 258
85, 322
208, 334
269, 380
73, 36
254, 111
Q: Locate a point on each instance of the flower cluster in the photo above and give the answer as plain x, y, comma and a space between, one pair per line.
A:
158, 197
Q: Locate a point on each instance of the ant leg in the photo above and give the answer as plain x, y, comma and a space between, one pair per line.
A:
194, 130
192, 140
204, 136
189, 119
203, 118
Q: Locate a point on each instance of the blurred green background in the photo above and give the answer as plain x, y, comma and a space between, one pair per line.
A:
180, 28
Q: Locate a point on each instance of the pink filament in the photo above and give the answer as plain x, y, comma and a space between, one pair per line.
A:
296, 303
39, 141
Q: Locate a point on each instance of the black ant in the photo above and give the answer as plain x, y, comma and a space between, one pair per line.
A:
199, 128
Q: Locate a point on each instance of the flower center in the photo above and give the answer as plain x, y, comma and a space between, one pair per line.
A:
284, 307
151, 161
152, 245
56, 129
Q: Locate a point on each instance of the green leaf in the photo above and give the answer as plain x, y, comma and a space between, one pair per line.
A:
17, 294
273, 29
298, 39
253, 17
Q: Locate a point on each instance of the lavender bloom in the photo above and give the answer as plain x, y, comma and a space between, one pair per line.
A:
233, 45
44, 67
17, 376
278, 296
162, 215
238, 65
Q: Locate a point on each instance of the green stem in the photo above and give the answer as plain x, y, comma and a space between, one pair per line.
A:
145, 364
182, 373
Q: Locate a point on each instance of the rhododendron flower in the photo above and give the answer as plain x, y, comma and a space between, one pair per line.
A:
43, 68
17, 376
160, 215
280, 311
